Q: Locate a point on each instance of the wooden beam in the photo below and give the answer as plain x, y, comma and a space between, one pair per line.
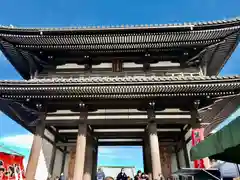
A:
129, 135
125, 126
55, 133
116, 144
116, 122
141, 104
117, 112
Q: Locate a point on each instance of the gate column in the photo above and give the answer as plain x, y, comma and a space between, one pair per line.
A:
147, 157
35, 149
88, 159
80, 148
154, 149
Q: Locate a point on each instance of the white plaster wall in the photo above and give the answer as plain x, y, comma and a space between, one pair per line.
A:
49, 135
174, 163
188, 134
189, 146
57, 163
66, 165
181, 159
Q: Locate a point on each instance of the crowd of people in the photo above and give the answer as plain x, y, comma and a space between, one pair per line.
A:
122, 175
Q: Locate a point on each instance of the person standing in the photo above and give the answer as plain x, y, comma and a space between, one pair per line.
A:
100, 174
122, 175
144, 176
62, 177
138, 175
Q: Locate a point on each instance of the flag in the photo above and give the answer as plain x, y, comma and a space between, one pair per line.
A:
197, 137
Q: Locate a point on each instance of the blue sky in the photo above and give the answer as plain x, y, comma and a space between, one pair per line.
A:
56, 13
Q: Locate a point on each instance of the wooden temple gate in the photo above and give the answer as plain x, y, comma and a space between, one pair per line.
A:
93, 86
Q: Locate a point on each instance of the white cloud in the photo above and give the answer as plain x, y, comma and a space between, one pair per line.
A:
21, 141
106, 150
109, 156
115, 153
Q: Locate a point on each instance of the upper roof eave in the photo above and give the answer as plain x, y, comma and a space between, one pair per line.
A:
13, 39
164, 27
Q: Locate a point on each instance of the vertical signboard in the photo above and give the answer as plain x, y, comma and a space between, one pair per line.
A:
197, 137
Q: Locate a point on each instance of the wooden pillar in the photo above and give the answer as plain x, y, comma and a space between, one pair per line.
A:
64, 160
53, 156
88, 160
177, 158
95, 160
147, 155
185, 151
154, 148
36, 149
80, 148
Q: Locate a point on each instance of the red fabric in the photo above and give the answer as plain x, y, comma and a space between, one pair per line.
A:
197, 137
8, 163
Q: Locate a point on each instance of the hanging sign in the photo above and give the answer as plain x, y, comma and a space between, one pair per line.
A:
197, 137
11, 167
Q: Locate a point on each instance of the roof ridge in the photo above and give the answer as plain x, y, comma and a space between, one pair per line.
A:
184, 24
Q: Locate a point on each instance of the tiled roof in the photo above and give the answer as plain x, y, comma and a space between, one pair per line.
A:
141, 87
212, 42
186, 24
